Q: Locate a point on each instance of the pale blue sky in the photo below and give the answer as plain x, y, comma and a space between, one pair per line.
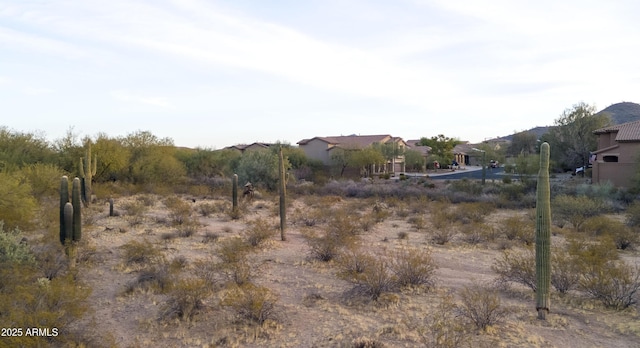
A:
217, 73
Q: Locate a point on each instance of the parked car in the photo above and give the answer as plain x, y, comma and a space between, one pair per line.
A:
494, 164
581, 169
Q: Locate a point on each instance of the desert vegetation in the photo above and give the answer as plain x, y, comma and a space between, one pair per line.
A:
366, 263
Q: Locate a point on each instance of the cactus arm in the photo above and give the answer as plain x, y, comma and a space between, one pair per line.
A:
543, 235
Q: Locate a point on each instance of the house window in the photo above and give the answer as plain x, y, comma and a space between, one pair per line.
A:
610, 158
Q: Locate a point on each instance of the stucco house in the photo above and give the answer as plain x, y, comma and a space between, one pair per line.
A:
321, 148
616, 159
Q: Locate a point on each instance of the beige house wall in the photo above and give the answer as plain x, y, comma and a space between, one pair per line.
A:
619, 173
317, 149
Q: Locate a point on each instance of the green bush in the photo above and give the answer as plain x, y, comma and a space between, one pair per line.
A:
17, 206
179, 210
141, 253
517, 228
12, 248
633, 214
43, 178
575, 209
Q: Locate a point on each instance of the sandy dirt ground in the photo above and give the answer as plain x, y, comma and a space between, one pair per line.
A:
312, 310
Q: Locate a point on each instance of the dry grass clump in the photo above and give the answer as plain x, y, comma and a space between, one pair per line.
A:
155, 279
516, 266
477, 232
179, 210
442, 327
210, 237
517, 228
469, 212
134, 212
365, 342
251, 302
258, 232
413, 267
185, 299
418, 222
234, 265
373, 281
141, 253
481, 306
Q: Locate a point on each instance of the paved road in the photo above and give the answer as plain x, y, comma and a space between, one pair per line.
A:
492, 173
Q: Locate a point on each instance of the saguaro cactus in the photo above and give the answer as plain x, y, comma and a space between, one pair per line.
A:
87, 170
283, 195
64, 198
70, 217
234, 193
543, 235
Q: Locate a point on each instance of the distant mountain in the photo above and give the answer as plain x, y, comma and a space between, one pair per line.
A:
620, 113
623, 112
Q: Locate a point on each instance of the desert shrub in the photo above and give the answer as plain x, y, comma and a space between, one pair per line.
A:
43, 178
477, 232
589, 254
403, 235
517, 267
442, 218
179, 210
50, 260
481, 305
575, 209
373, 281
380, 211
141, 253
364, 342
443, 327
418, 222
512, 192
517, 228
466, 186
13, 249
135, 212
623, 236
207, 209
473, 211
254, 303
413, 267
17, 206
615, 284
234, 266
343, 224
633, 214
326, 246
352, 262
185, 299
258, 232
442, 236
29, 301
187, 229
155, 279
565, 275
210, 237
146, 199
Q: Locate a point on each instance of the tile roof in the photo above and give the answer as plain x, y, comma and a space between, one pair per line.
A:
357, 141
626, 132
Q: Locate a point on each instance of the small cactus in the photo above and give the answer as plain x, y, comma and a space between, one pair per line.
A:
110, 206
543, 235
70, 218
283, 194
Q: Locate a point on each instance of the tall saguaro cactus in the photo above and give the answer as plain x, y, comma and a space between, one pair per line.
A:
70, 218
543, 235
64, 199
88, 169
283, 194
